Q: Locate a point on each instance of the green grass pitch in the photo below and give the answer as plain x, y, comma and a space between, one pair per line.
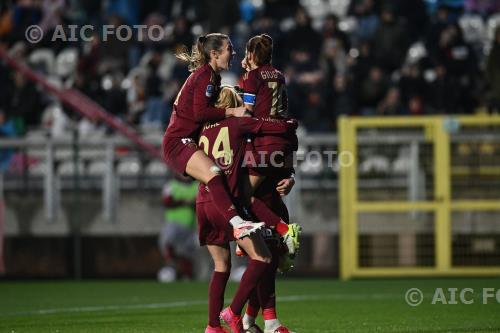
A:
306, 306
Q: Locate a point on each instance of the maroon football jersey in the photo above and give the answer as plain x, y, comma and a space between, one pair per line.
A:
194, 104
265, 89
225, 143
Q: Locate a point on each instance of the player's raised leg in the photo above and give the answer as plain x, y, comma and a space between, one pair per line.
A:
289, 233
197, 167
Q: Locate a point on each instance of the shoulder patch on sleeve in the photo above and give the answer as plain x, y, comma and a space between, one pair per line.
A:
210, 90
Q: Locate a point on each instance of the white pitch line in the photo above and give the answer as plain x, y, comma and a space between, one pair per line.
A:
181, 304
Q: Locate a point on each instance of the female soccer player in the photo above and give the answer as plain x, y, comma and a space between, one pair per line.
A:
225, 142
265, 95
192, 108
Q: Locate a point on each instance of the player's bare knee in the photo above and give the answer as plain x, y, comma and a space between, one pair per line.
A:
222, 266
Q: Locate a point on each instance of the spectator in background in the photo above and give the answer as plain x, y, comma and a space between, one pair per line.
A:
181, 33
439, 23
360, 63
304, 89
115, 98
333, 60
342, 98
178, 239
455, 54
114, 53
135, 99
155, 105
416, 105
24, 14
303, 37
372, 91
411, 82
365, 12
331, 31
390, 41
334, 66
152, 41
443, 93
415, 15
25, 107
493, 73
391, 104
460, 63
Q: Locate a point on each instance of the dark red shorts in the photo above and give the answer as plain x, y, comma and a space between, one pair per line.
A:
213, 229
177, 152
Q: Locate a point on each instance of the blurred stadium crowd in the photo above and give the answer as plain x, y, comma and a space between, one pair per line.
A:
355, 57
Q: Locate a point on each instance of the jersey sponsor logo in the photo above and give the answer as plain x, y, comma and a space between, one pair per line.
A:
249, 98
210, 90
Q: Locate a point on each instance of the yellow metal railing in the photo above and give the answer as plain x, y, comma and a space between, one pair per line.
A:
441, 204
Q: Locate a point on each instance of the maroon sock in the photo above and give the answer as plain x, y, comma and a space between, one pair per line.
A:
248, 282
253, 305
221, 197
264, 213
216, 297
266, 289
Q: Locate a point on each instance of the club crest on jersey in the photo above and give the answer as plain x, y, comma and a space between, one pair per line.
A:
210, 90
